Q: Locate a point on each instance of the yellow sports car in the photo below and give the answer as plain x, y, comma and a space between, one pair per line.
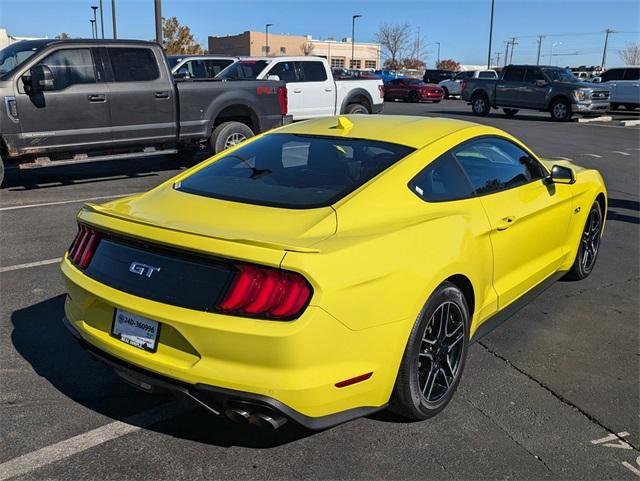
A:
330, 268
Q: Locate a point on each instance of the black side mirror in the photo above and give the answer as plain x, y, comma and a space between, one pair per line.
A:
562, 175
41, 79
182, 73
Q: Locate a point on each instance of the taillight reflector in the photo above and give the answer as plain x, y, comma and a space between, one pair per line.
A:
265, 292
354, 380
84, 246
283, 99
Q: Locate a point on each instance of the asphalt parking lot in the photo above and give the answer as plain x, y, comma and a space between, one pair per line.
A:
552, 394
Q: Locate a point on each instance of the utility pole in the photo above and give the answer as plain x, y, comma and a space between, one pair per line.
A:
497, 59
540, 37
506, 52
490, 34
95, 22
438, 54
158, 9
113, 18
101, 20
513, 47
604, 51
266, 40
353, 38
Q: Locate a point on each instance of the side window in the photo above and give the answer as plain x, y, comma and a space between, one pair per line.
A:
631, 74
494, 164
70, 66
442, 180
133, 64
513, 74
196, 69
613, 74
214, 67
285, 70
487, 74
532, 75
312, 72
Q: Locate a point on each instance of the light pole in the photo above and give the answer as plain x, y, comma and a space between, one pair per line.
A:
490, 34
353, 37
540, 37
551, 51
158, 14
93, 24
113, 17
604, 51
266, 31
101, 22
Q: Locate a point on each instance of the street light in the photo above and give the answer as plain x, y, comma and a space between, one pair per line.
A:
490, 35
95, 23
266, 30
101, 22
353, 37
93, 33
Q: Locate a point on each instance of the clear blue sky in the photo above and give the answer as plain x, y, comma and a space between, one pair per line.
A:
461, 26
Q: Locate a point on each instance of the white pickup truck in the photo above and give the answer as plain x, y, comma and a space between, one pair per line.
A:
311, 88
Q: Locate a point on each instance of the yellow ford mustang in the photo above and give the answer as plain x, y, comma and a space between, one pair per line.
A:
328, 269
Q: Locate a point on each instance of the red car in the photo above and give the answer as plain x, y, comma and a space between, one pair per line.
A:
412, 90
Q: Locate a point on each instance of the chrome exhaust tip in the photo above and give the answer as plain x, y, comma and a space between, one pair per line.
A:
267, 421
238, 415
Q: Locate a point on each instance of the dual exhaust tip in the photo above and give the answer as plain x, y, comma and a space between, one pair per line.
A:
261, 419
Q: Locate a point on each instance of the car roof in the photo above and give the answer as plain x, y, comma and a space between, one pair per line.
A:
412, 131
73, 41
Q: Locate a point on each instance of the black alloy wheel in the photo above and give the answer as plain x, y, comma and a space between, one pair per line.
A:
589, 245
434, 357
414, 97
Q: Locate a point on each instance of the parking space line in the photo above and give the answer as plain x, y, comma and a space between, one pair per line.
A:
593, 155
620, 152
77, 444
59, 202
27, 265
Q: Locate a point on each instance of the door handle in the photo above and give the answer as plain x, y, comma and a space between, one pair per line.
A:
161, 95
97, 98
328, 89
297, 91
506, 222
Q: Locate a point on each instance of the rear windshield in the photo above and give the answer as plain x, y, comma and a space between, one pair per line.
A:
294, 171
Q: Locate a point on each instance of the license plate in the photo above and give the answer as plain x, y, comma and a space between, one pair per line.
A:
135, 330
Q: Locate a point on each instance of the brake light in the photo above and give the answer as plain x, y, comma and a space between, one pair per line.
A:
84, 246
283, 99
381, 90
266, 292
463, 86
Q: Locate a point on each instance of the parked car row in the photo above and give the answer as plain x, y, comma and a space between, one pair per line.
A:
72, 101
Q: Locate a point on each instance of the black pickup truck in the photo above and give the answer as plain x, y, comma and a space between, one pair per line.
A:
550, 89
70, 101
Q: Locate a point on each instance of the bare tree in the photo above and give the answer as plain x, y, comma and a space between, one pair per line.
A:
631, 54
178, 39
448, 64
395, 40
307, 47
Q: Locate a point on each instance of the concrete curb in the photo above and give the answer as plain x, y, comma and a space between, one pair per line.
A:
630, 123
602, 118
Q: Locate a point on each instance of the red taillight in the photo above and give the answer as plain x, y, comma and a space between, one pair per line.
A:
463, 86
381, 90
265, 292
283, 99
84, 246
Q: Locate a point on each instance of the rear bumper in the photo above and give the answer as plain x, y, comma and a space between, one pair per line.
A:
213, 398
590, 107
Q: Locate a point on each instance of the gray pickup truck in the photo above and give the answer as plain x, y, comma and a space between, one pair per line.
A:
70, 101
549, 89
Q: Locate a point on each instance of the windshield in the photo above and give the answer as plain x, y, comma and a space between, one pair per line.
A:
560, 75
243, 70
294, 171
414, 81
14, 55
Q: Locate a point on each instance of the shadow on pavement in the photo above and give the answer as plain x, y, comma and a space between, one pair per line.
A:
493, 115
42, 340
631, 205
56, 176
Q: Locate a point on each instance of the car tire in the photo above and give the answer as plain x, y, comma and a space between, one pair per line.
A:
560, 110
229, 134
357, 109
428, 355
446, 92
1, 171
589, 245
510, 112
413, 97
480, 105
